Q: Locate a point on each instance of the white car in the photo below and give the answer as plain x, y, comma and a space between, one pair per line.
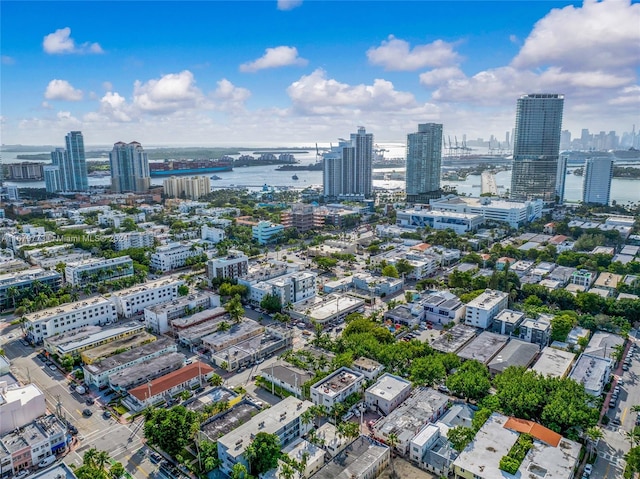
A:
47, 461
588, 469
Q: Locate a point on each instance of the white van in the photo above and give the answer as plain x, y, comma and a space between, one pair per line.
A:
47, 461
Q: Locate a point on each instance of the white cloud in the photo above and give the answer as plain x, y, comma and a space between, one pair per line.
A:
288, 4
281, 56
170, 93
115, 107
107, 85
440, 75
230, 97
62, 90
7, 60
316, 94
60, 42
396, 54
597, 35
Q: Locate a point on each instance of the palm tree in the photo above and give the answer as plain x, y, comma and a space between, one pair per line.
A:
593, 435
216, 380
306, 417
101, 460
634, 436
286, 471
392, 441
239, 471
89, 457
13, 293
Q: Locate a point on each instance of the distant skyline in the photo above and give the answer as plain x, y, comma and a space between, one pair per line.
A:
277, 73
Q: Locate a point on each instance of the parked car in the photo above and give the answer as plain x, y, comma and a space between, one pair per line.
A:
90, 401
588, 469
106, 414
47, 461
155, 458
87, 412
615, 421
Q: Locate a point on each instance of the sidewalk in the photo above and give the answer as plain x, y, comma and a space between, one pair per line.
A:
617, 374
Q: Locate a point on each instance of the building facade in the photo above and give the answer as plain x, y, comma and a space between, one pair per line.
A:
266, 232
482, 310
12, 285
536, 147
234, 265
133, 300
192, 188
129, 168
172, 256
92, 271
347, 171
596, 186
424, 161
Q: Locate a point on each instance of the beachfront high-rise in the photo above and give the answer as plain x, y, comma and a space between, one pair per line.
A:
347, 171
598, 173
424, 160
72, 166
129, 168
536, 148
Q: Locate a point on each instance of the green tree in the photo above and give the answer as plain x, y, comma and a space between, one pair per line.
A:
272, 303
560, 326
117, 470
403, 267
234, 309
460, 436
470, 381
390, 271
263, 452
170, 429
183, 290
427, 370
239, 471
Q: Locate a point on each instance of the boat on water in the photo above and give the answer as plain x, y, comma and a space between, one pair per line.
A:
189, 167
216, 177
294, 177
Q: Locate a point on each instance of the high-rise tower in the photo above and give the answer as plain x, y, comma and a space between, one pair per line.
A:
536, 147
347, 170
129, 168
77, 164
598, 173
424, 160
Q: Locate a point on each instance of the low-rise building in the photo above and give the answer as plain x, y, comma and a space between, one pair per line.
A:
97, 373
12, 285
481, 310
232, 266
89, 356
92, 271
368, 367
537, 331
135, 239
387, 393
604, 344
286, 377
443, 308
303, 452
134, 300
439, 220
332, 308
454, 339
254, 349
282, 419
158, 318
515, 353
169, 385
211, 234
143, 372
555, 363
484, 347
336, 387
608, 281
74, 342
551, 455
266, 232
507, 321
19, 405
173, 256
514, 213
583, 277
380, 286
67, 317
290, 288
364, 457
423, 406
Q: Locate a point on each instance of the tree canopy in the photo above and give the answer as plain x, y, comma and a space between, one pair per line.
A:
170, 429
263, 452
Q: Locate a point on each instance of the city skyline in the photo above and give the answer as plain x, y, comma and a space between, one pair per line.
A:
293, 73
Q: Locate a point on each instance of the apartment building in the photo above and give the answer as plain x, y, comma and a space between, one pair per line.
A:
266, 232
173, 256
482, 310
134, 300
67, 317
20, 405
290, 288
122, 241
13, 284
336, 387
92, 271
158, 318
232, 266
387, 393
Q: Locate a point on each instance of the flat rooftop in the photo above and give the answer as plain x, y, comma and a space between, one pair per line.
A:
221, 339
554, 362
68, 308
354, 460
330, 305
148, 286
126, 357
145, 371
288, 375
105, 334
509, 316
515, 353
603, 344
213, 396
484, 347
591, 371
130, 342
180, 302
454, 339
201, 317
487, 299
388, 386
269, 421
335, 383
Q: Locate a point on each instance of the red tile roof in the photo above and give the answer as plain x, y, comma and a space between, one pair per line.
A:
168, 381
539, 432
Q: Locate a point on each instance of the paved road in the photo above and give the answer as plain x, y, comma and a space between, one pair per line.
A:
614, 445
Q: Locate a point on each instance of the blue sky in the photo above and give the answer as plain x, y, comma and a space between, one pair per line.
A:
281, 73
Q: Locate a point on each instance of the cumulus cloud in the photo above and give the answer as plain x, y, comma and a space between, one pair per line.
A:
317, 94
600, 34
440, 75
396, 54
62, 90
170, 93
288, 4
230, 97
281, 56
60, 42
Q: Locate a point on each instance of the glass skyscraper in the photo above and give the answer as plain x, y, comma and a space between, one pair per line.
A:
536, 148
596, 188
71, 173
424, 161
347, 170
129, 168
